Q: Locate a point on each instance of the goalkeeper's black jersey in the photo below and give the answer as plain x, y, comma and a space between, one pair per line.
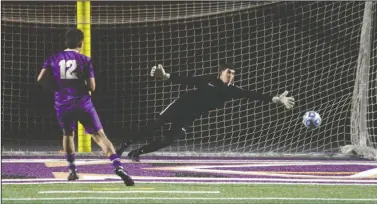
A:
211, 93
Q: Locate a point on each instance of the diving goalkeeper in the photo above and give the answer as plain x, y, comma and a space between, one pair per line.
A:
211, 93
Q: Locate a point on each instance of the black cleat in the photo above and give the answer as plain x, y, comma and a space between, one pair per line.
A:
134, 155
122, 148
73, 176
125, 177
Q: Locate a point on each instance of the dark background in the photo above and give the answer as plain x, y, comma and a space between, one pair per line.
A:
308, 48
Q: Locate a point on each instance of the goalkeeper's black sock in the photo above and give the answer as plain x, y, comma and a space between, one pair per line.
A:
128, 143
123, 147
152, 147
170, 137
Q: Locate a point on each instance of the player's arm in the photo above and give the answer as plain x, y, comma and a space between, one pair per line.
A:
46, 79
91, 84
42, 76
287, 102
89, 76
159, 72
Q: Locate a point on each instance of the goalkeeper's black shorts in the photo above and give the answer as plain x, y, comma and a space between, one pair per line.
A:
180, 113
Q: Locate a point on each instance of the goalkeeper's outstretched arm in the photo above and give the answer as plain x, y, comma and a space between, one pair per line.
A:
159, 72
236, 92
282, 99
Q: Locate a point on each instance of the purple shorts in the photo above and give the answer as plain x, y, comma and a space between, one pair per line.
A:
80, 110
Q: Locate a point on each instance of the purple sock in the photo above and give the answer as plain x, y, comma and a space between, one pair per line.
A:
116, 161
71, 162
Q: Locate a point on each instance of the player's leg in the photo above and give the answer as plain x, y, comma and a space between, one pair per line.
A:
180, 116
176, 131
164, 117
107, 147
69, 142
66, 122
142, 133
92, 124
103, 142
69, 148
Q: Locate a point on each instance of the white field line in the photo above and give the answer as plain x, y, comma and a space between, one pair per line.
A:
197, 183
35, 179
209, 169
192, 198
114, 192
363, 174
136, 178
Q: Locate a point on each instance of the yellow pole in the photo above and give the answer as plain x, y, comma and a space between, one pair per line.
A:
84, 141
87, 29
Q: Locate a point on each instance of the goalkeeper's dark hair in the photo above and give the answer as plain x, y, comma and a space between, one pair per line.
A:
73, 38
225, 66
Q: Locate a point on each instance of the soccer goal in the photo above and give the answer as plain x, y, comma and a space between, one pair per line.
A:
323, 53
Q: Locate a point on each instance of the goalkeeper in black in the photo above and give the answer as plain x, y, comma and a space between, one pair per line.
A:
211, 92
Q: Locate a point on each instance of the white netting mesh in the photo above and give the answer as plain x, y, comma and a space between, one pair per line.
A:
372, 93
39, 12
30, 32
308, 48
137, 12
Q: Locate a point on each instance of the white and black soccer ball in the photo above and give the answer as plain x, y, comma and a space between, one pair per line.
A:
312, 119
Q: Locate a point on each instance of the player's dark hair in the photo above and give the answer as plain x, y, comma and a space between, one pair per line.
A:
225, 66
74, 38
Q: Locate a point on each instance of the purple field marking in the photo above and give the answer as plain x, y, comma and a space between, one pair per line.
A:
39, 170
33, 170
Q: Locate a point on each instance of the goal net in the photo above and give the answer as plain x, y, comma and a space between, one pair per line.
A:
308, 48
372, 93
30, 32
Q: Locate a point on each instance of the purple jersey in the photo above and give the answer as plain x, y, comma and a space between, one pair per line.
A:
72, 101
70, 70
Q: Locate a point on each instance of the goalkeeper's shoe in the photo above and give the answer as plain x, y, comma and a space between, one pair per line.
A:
123, 148
125, 177
134, 155
73, 176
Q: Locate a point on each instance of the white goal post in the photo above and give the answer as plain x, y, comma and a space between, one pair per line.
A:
364, 114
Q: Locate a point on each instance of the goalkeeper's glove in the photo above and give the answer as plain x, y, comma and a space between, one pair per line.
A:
159, 72
288, 102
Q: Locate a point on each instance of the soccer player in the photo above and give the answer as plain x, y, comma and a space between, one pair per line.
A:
73, 78
211, 93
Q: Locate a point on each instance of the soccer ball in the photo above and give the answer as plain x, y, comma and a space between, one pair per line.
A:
312, 119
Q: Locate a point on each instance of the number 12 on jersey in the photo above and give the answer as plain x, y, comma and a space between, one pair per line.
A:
70, 72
